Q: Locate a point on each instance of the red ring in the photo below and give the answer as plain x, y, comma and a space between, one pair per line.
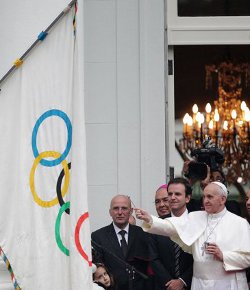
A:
77, 239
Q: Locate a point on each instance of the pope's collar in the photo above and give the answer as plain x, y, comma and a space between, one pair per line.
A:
217, 215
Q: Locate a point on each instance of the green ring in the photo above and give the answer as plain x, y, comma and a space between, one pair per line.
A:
57, 228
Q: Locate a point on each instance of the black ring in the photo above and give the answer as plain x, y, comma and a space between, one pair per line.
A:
58, 188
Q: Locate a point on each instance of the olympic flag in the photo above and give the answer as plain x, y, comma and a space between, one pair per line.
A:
44, 227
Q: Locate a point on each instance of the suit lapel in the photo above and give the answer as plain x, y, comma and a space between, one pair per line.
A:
114, 241
131, 237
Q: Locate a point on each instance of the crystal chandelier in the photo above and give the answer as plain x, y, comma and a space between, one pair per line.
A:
226, 123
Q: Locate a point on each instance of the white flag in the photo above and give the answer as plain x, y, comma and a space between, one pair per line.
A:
44, 226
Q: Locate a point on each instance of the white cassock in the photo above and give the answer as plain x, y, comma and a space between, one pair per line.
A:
230, 232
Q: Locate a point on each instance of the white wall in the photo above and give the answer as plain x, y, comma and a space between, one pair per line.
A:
124, 102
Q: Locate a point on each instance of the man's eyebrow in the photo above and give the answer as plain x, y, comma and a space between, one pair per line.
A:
209, 194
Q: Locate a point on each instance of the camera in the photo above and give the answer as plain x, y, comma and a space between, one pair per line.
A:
209, 155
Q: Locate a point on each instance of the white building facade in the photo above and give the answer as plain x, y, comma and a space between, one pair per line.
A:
129, 96
124, 102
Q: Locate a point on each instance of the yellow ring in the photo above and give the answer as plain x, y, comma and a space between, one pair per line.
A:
37, 199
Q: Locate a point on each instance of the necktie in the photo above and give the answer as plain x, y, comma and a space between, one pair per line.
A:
124, 244
177, 252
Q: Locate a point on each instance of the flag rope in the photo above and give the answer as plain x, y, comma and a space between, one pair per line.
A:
6, 261
40, 38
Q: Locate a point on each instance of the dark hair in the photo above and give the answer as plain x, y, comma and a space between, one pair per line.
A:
181, 180
112, 281
222, 175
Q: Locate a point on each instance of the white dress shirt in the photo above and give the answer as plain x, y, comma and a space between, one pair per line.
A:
117, 230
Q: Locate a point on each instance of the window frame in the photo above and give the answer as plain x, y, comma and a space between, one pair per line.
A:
205, 30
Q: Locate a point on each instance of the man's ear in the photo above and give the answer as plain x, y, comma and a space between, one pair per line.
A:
188, 197
224, 199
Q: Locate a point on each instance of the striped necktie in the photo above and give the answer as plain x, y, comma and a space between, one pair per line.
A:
177, 252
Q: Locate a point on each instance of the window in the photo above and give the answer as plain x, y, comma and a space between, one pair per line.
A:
202, 8
229, 23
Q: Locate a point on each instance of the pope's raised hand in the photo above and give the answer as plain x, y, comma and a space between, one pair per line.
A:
143, 215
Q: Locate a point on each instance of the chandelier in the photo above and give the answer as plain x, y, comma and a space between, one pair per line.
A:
227, 122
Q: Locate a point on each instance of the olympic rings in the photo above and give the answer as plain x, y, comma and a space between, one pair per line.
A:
64, 174
32, 182
45, 115
77, 239
57, 229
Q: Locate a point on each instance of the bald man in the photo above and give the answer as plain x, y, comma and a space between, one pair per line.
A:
109, 243
161, 201
218, 240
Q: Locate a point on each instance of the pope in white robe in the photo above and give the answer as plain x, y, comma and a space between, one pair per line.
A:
218, 240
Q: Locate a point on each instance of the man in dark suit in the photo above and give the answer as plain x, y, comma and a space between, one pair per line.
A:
173, 268
120, 251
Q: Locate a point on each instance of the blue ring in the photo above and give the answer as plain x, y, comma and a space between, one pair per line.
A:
66, 119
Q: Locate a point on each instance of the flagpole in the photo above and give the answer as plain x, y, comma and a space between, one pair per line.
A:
40, 38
